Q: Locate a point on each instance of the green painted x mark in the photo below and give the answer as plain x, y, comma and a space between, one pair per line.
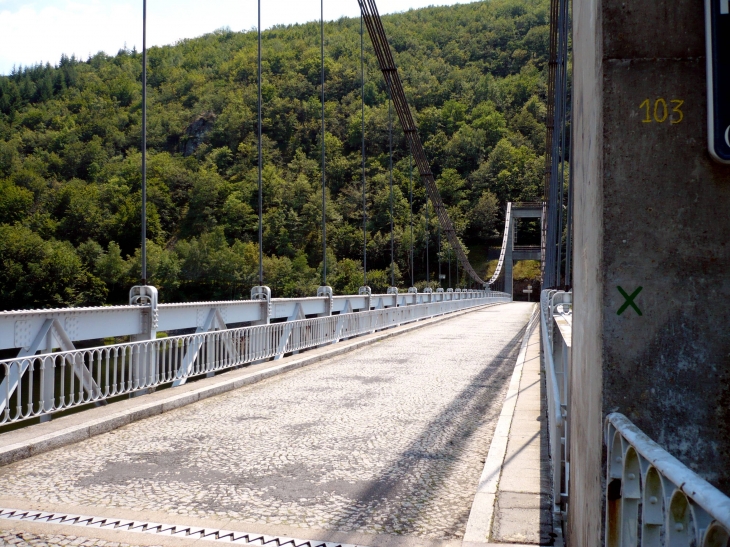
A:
629, 300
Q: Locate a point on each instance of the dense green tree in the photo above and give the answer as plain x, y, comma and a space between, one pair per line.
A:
70, 165
38, 273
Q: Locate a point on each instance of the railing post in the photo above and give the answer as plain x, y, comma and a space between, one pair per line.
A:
428, 291
144, 362
414, 291
393, 291
368, 294
49, 379
262, 293
326, 291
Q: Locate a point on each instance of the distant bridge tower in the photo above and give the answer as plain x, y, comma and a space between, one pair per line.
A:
511, 253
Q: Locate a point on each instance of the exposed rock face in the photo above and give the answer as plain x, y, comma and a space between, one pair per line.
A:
196, 132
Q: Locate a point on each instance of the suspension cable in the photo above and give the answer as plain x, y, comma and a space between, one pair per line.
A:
395, 88
362, 106
261, 163
144, 142
324, 198
410, 197
390, 151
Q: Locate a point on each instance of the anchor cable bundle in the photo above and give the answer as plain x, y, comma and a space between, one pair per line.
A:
379, 40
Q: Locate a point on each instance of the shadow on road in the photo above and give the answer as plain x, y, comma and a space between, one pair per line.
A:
434, 455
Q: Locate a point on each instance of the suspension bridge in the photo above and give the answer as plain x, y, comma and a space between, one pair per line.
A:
454, 416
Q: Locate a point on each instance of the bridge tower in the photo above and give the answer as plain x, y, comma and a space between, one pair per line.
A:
520, 252
651, 252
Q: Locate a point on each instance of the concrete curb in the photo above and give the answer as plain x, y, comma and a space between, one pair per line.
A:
36, 439
479, 525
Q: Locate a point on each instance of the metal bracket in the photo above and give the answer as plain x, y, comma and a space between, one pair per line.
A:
394, 291
413, 290
429, 292
146, 295
144, 364
262, 293
326, 291
367, 293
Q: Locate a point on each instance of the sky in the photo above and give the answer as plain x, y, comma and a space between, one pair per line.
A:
33, 31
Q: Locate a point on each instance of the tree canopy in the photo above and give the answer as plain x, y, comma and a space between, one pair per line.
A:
70, 161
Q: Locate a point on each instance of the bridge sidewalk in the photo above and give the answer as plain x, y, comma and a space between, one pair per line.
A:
512, 505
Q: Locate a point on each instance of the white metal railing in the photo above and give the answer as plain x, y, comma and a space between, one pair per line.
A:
555, 324
654, 499
38, 385
20, 328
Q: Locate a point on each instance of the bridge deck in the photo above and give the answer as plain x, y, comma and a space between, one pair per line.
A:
389, 440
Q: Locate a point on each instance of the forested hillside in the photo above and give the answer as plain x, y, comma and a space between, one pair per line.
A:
70, 162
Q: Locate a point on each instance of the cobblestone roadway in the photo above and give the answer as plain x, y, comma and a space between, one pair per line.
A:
389, 439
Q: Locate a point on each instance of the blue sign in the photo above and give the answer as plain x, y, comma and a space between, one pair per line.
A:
717, 28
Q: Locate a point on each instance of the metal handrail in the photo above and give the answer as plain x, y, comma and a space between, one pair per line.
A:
678, 507
45, 384
20, 328
556, 401
527, 205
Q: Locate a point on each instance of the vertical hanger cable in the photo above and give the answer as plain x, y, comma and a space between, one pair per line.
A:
410, 197
428, 237
362, 107
144, 142
261, 161
390, 150
439, 252
324, 198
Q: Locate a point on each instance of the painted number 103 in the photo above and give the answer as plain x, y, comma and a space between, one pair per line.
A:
662, 111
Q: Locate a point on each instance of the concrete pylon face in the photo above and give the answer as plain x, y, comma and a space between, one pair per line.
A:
508, 261
651, 258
